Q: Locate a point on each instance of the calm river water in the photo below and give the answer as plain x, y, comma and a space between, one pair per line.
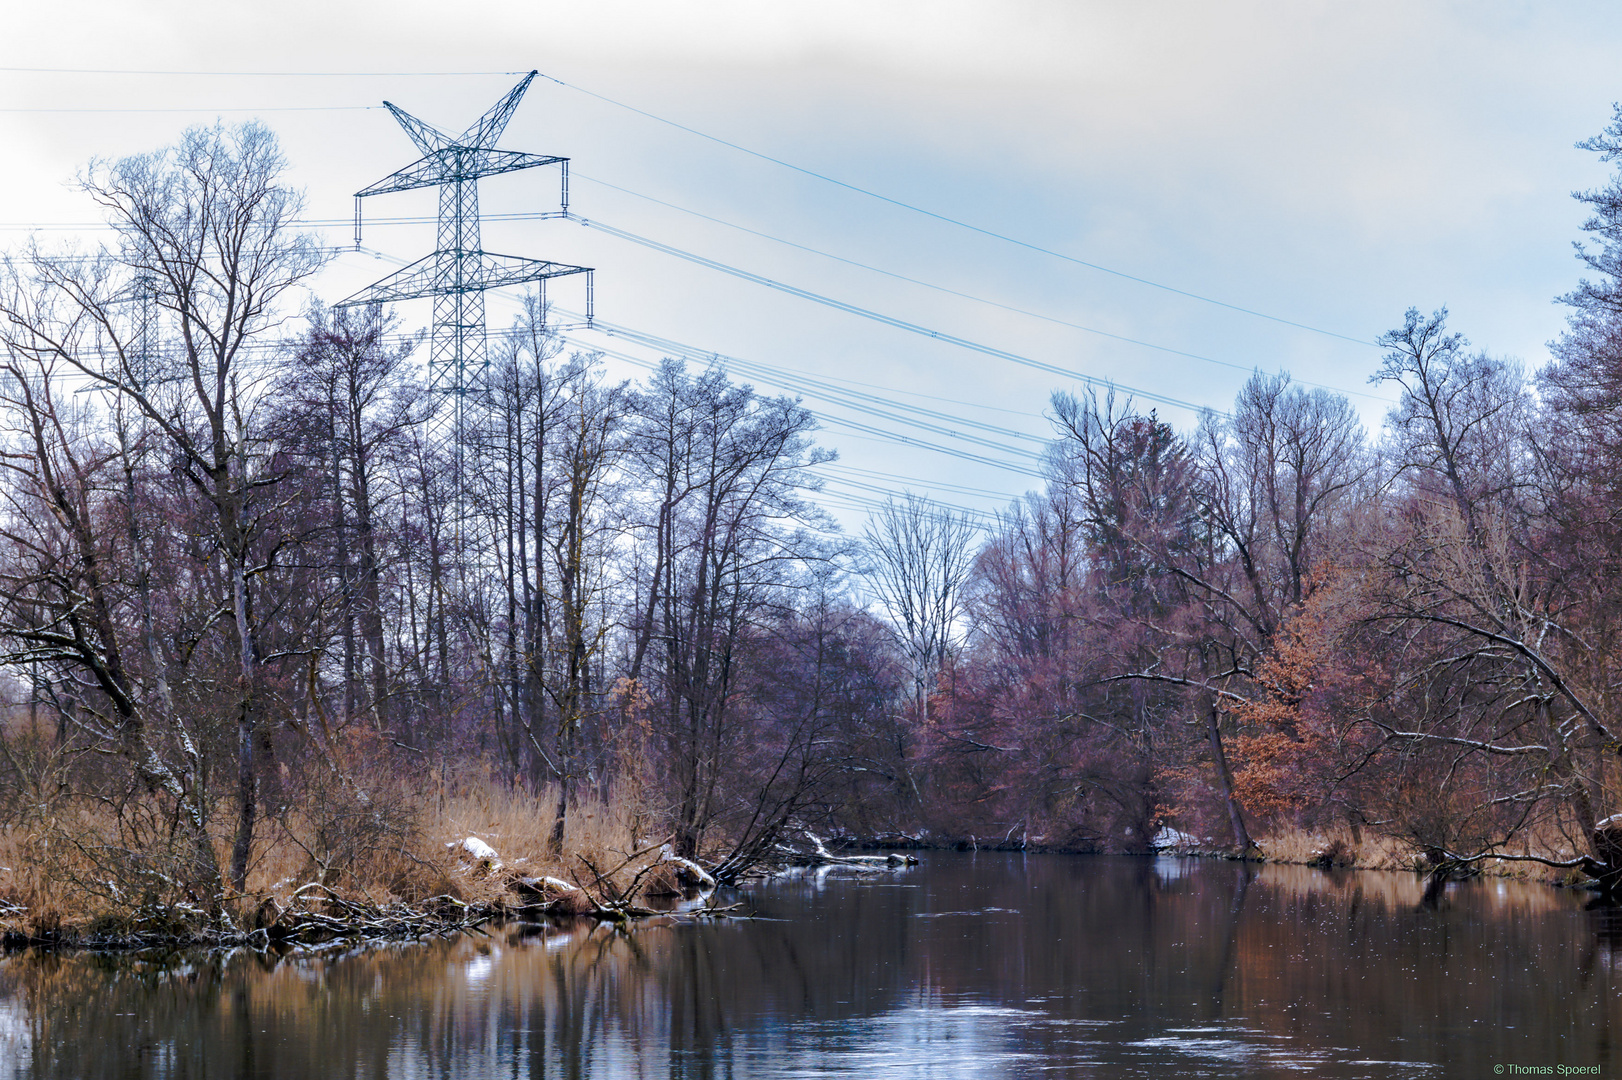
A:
983, 965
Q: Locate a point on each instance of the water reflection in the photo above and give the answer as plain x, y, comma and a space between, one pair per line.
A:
968, 966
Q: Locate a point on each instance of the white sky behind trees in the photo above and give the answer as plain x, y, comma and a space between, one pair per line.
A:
1328, 164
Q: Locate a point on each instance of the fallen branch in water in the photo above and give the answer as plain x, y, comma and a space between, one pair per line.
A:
315, 914
338, 916
600, 894
821, 856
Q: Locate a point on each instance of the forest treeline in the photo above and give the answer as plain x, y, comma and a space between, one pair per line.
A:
255, 596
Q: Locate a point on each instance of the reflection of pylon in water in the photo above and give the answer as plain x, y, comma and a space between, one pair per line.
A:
457, 274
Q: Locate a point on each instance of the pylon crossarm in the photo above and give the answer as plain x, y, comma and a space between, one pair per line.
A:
455, 163
404, 284
488, 128
427, 138
424, 172
480, 270
495, 162
496, 271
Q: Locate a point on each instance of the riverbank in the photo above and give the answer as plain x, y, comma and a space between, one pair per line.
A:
1346, 849
1325, 850
450, 860
471, 859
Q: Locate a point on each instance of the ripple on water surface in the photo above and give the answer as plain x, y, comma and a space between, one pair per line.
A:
966, 966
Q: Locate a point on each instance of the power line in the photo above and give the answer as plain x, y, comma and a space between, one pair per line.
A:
776, 375
857, 500
960, 489
954, 221
787, 378
889, 435
957, 293
687, 352
886, 273
889, 320
891, 493
910, 393
692, 352
550, 215
850, 501
865, 402
821, 389
901, 203
796, 385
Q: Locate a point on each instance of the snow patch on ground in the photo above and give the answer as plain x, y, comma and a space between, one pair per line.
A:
1170, 839
477, 850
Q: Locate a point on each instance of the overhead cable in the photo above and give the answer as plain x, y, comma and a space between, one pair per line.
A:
554, 214
891, 200
576, 174
889, 320
677, 350
954, 221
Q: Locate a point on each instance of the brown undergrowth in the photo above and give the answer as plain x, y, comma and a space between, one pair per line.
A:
98, 872
1347, 848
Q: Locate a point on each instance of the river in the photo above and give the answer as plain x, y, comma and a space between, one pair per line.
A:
969, 965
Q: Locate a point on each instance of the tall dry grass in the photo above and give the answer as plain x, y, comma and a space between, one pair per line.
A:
87, 865
379, 837
406, 842
1345, 848
1369, 851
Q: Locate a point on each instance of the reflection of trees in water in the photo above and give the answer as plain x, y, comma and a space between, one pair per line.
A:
1604, 952
970, 958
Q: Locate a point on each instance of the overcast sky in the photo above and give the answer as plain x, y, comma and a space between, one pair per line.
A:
1321, 166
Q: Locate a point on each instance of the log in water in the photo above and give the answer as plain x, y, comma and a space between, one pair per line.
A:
966, 966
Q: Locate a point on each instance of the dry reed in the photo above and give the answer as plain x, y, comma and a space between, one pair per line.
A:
79, 872
1343, 847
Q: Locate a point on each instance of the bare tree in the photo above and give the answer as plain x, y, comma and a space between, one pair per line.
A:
1133, 478
212, 229
1026, 590
1272, 483
516, 492
918, 560
1273, 480
68, 584
1500, 672
581, 522
346, 408
1460, 421
728, 473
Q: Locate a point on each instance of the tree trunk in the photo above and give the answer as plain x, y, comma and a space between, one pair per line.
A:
247, 780
1236, 818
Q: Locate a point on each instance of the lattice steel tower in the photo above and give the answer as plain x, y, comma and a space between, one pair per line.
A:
457, 274
139, 364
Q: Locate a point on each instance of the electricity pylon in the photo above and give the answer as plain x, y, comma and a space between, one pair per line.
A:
138, 363
143, 359
459, 271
